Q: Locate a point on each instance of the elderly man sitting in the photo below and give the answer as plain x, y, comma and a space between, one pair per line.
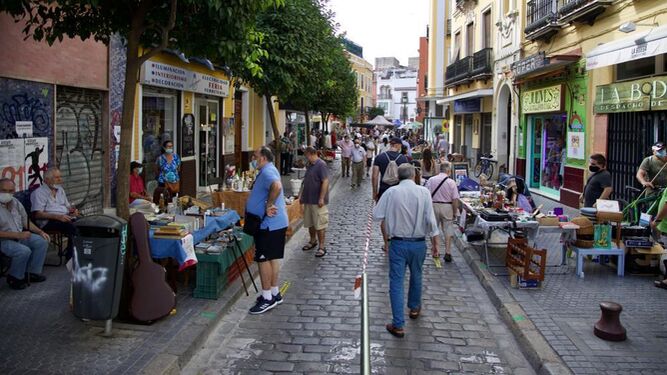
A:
51, 209
26, 249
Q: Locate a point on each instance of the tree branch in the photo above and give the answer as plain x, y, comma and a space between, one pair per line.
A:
164, 42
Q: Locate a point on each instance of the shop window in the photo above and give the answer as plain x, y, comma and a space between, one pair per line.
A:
548, 152
470, 39
158, 125
636, 69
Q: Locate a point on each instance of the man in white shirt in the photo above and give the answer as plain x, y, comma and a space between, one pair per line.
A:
358, 155
408, 217
443, 146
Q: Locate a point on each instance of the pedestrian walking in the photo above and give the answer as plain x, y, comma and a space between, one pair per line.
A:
380, 165
345, 151
652, 173
314, 197
267, 201
370, 152
407, 213
443, 145
445, 196
358, 155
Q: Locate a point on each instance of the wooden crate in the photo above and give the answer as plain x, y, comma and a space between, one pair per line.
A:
524, 260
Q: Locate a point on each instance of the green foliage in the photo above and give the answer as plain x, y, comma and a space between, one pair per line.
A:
375, 111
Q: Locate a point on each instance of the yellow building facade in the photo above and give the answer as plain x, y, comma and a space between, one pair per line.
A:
592, 79
469, 77
211, 122
364, 73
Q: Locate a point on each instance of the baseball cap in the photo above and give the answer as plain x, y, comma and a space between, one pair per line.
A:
135, 164
395, 141
657, 146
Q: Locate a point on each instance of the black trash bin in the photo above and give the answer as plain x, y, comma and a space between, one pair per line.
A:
97, 272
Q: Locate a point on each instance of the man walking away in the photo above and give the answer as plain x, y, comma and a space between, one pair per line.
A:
370, 152
379, 168
314, 197
358, 156
407, 212
443, 146
598, 185
445, 195
267, 201
345, 150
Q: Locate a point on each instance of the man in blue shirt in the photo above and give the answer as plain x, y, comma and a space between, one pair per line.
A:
267, 201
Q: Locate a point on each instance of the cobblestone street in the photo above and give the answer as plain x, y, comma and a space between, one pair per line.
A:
316, 329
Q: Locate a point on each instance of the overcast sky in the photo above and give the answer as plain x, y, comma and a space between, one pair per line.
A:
383, 28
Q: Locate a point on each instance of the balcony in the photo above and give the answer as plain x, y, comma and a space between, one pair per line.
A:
459, 71
542, 19
384, 97
482, 63
581, 10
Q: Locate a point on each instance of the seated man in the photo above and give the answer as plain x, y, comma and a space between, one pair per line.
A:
51, 209
26, 249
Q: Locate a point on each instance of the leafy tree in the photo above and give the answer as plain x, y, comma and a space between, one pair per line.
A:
217, 29
339, 94
375, 111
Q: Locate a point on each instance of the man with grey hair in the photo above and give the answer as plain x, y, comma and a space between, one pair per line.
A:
51, 209
20, 240
408, 217
445, 195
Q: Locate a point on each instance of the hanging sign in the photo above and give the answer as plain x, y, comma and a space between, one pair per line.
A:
547, 99
641, 95
173, 77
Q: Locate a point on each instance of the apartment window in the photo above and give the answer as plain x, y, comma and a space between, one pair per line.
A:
470, 39
506, 6
640, 68
486, 18
457, 46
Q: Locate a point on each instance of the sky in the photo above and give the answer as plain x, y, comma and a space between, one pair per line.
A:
384, 28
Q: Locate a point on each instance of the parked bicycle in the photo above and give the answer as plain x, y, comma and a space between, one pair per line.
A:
485, 164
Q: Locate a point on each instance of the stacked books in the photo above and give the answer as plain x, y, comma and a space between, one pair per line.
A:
174, 231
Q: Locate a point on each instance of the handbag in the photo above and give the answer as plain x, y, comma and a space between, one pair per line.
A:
173, 187
252, 223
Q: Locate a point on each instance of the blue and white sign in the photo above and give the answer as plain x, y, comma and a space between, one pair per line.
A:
468, 105
173, 77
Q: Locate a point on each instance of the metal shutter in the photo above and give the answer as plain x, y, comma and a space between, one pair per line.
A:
79, 151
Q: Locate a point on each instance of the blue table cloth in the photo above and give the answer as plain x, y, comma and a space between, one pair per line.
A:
167, 248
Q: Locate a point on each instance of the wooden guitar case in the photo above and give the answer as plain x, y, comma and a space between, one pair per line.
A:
152, 298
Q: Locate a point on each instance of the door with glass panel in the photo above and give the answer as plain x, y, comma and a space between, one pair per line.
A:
207, 128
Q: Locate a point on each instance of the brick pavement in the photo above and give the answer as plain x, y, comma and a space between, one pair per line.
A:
566, 308
316, 329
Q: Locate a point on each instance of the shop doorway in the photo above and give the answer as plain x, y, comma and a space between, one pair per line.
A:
547, 153
158, 124
208, 141
504, 116
466, 149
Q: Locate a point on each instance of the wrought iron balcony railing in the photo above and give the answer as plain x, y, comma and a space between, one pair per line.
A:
482, 62
541, 19
581, 10
458, 71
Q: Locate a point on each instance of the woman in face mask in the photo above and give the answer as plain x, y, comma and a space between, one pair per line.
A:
598, 185
169, 166
137, 188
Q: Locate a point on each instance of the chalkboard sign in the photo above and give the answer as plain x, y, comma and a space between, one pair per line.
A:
188, 135
460, 171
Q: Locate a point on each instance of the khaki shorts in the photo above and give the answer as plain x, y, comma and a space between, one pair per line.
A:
444, 215
315, 216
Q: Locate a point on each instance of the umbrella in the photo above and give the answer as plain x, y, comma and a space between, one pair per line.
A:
397, 122
379, 120
412, 125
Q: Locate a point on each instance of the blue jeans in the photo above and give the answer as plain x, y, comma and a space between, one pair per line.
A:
27, 255
404, 254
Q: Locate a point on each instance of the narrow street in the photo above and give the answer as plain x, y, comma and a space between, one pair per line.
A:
317, 330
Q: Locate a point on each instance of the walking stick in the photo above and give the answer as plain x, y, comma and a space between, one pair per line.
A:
237, 244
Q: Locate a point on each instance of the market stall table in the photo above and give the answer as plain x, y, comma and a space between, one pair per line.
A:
234, 200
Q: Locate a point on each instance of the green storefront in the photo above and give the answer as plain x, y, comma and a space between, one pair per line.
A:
552, 134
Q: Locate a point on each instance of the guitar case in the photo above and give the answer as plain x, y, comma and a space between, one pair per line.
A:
152, 298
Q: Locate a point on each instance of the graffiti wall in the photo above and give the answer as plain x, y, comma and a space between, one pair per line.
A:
25, 102
79, 149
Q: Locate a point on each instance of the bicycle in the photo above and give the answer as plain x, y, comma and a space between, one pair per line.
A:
485, 165
642, 203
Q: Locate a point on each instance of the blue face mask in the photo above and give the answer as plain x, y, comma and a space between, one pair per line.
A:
661, 153
253, 164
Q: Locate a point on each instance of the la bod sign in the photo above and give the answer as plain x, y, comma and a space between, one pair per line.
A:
640, 95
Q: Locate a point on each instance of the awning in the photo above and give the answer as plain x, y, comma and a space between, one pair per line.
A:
466, 95
645, 44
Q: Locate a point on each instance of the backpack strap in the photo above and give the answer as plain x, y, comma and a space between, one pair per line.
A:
439, 185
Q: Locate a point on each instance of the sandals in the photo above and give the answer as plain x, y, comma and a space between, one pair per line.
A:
309, 246
396, 332
660, 284
322, 251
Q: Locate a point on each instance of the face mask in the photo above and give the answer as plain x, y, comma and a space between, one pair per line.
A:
169, 150
6, 197
661, 153
593, 168
139, 170
253, 164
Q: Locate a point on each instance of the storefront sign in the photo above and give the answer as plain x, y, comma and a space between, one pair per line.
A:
548, 99
640, 95
173, 77
468, 105
529, 64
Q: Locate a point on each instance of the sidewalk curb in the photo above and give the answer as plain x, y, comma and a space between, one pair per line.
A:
197, 330
538, 352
